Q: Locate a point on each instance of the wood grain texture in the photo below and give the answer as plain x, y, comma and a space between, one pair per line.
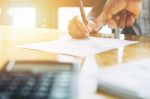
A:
11, 37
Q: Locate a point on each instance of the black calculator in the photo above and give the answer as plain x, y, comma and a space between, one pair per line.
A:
38, 80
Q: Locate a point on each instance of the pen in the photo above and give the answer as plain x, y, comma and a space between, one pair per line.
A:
83, 16
85, 21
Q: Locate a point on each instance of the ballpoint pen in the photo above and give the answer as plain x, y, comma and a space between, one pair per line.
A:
85, 21
83, 16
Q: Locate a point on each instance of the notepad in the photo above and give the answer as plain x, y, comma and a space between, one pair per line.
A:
79, 48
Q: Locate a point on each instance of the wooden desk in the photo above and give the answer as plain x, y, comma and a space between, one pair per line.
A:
10, 38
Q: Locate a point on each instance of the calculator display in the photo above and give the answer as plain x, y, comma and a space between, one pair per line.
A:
40, 67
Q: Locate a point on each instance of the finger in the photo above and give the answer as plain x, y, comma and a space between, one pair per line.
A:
71, 32
112, 24
111, 8
122, 22
130, 20
116, 18
81, 26
74, 31
82, 30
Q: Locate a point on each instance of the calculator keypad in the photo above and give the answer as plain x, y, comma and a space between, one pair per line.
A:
50, 85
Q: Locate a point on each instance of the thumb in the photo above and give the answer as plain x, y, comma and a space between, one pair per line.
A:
111, 8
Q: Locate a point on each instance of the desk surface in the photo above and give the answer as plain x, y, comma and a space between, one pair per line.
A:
10, 37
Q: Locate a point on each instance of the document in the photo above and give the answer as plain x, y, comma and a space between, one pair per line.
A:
79, 48
130, 80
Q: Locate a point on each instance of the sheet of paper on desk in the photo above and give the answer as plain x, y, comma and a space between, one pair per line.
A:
79, 48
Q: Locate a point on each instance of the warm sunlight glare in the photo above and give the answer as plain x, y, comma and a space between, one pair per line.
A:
23, 17
67, 13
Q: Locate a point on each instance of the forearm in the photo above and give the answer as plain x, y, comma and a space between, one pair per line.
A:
94, 14
97, 9
98, 6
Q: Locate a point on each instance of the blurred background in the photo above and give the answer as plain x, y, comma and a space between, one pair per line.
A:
41, 13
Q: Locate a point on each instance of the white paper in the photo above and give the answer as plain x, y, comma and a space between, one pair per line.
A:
127, 77
79, 48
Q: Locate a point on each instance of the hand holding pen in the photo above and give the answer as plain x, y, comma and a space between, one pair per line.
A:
80, 27
116, 13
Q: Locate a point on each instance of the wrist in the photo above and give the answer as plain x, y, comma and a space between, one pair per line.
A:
93, 25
